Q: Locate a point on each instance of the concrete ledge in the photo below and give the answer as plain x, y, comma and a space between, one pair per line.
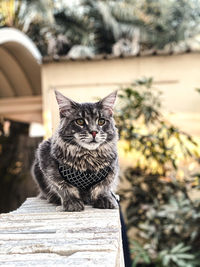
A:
37, 235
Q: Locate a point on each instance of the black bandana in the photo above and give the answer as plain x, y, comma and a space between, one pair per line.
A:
83, 180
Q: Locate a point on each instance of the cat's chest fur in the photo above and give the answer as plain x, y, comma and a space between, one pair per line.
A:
80, 158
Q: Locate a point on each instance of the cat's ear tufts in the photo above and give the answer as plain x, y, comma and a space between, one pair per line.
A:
108, 102
65, 104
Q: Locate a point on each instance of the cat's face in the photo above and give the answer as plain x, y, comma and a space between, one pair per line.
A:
87, 125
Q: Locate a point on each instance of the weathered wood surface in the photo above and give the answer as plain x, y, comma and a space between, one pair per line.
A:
38, 235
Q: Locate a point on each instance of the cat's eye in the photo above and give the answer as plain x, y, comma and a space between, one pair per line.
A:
80, 122
101, 122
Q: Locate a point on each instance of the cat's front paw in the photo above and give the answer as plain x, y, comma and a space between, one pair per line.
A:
105, 202
73, 205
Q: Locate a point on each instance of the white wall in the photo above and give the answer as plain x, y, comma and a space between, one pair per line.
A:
176, 76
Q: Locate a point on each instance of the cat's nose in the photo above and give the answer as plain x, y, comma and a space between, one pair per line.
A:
94, 133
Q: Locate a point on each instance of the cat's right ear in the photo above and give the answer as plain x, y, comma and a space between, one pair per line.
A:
66, 105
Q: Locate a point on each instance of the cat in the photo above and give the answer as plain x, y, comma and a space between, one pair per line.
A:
78, 165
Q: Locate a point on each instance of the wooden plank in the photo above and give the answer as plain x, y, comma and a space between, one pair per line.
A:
20, 104
27, 109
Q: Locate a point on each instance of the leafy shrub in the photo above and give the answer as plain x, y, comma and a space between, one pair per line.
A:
158, 207
144, 129
164, 216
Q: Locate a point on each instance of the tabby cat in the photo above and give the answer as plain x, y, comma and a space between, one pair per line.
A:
79, 164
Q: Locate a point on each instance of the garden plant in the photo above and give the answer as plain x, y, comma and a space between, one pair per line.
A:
159, 209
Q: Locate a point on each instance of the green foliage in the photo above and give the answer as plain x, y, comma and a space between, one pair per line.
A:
160, 22
178, 256
75, 26
143, 127
158, 206
139, 254
107, 30
37, 32
99, 25
21, 13
163, 216
103, 25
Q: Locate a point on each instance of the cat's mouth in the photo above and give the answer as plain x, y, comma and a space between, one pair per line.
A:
89, 144
93, 141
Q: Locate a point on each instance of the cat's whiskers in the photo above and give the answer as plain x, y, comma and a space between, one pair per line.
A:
83, 135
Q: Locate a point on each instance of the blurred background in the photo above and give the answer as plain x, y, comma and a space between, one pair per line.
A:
150, 51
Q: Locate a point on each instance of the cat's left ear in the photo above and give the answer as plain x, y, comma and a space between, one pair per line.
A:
108, 102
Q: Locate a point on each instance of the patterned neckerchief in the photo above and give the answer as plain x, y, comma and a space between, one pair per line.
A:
83, 180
